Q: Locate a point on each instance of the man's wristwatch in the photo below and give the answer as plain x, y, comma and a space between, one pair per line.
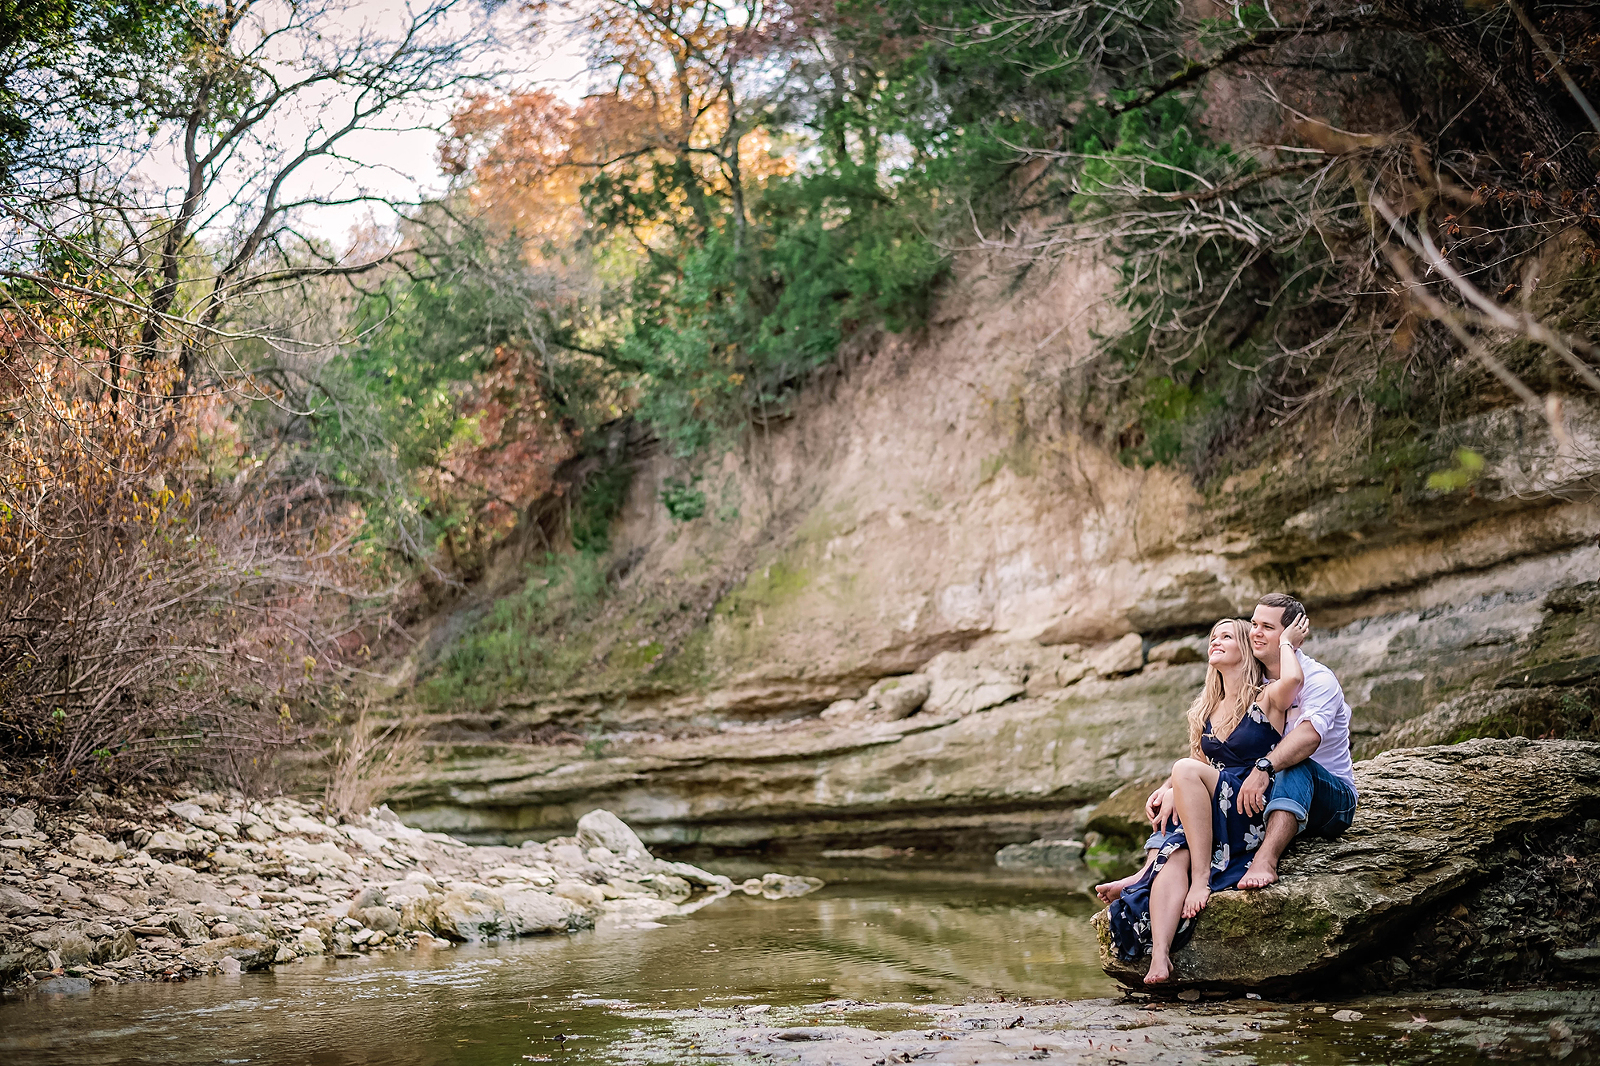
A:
1265, 766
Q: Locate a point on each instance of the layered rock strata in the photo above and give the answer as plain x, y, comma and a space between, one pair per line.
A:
936, 602
1028, 737
1476, 863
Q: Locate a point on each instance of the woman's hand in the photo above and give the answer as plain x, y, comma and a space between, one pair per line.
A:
1297, 633
1159, 807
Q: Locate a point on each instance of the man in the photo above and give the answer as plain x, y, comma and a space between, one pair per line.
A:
1310, 776
1309, 773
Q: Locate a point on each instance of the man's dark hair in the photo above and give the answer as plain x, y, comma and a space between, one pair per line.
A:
1292, 608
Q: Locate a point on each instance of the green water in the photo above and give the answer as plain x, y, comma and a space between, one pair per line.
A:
908, 936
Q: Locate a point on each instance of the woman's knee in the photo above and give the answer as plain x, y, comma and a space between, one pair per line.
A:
1186, 768
1177, 867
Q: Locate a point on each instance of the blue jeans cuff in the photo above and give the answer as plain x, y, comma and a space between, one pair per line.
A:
1292, 807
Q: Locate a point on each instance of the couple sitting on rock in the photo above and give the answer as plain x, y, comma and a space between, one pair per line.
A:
1269, 746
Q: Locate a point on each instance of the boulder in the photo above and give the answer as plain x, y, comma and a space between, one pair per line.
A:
184, 886
252, 951
309, 942
1120, 816
602, 829
1040, 855
1441, 834
669, 887
108, 903
371, 896
23, 818
383, 919
788, 886
694, 875
531, 911
965, 682
579, 892
15, 904
326, 853
186, 926
1125, 656
63, 986
1180, 651
894, 698
468, 912
167, 842
70, 946
96, 848
115, 948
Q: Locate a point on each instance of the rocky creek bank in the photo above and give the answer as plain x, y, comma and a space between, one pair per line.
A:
112, 891
1445, 1026
1473, 864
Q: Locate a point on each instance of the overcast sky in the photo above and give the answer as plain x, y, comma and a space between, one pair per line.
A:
401, 160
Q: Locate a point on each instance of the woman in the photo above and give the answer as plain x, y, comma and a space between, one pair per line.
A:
1237, 718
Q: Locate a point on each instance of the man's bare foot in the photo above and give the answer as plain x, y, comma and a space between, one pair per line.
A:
1112, 890
1160, 970
1260, 875
1195, 901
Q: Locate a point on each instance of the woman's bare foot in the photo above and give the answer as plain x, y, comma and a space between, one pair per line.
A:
1112, 890
1160, 970
1195, 901
1260, 875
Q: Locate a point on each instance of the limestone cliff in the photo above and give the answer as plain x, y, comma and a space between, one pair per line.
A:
941, 506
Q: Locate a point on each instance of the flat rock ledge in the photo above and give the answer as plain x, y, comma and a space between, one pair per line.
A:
1474, 864
114, 891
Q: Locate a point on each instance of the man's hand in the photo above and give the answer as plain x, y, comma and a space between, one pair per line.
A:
1253, 793
1159, 807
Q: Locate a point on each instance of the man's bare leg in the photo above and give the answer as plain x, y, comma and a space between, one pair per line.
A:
1281, 829
1112, 890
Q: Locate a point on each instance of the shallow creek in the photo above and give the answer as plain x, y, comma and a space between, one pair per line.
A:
880, 966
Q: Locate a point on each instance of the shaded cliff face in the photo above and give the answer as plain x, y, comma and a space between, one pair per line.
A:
935, 507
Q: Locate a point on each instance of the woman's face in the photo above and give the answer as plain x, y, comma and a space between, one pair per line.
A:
1224, 649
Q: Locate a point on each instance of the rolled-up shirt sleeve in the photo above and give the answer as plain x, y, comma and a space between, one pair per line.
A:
1321, 701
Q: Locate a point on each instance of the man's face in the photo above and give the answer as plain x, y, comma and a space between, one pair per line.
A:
1266, 625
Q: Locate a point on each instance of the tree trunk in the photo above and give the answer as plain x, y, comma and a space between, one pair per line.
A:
1505, 71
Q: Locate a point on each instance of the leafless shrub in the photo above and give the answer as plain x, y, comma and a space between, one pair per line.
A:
370, 760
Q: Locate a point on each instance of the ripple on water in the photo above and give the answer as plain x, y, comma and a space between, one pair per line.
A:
606, 992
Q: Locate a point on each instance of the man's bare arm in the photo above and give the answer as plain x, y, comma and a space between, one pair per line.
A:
1293, 750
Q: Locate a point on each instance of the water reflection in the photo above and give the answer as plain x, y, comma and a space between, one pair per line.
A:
581, 999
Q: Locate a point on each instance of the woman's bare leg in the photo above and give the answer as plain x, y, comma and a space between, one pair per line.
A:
1166, 906
1112, 890
1193, 783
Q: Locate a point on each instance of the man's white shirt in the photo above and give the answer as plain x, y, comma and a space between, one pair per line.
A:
1321, 700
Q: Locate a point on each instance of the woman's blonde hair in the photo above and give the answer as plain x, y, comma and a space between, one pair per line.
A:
1226, 709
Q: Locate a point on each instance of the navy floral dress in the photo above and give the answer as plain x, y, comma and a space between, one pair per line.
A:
1234, 836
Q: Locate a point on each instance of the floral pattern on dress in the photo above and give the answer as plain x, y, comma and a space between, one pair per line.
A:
1235, 836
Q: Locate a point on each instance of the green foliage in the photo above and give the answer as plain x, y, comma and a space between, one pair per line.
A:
682, 500
598, 504
389, 407
1168, 411
80, 65
1467, 467
520, 641
730, 324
